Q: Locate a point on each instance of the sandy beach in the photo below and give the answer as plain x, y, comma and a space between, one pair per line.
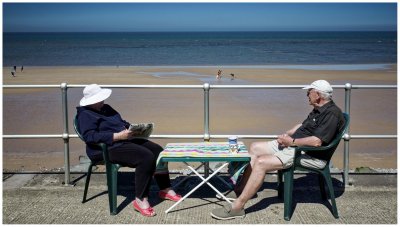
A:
180, 111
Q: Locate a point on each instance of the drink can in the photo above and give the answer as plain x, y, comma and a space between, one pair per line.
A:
233, 145
232, 140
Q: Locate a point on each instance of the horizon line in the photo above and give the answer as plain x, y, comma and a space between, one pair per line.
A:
195, 31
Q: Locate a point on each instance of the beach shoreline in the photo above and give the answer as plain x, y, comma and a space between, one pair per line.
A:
260, 112
350, 66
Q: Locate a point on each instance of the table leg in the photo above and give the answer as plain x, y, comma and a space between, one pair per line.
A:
223, 181
211, 186
180, 182
206, 168
199, 185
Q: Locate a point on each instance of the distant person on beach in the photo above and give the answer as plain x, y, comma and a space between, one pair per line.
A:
219, 74
14, 71
22, 68
318, 129
99, 122
232, 76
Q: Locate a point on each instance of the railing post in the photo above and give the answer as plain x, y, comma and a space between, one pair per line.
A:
64, 105
346, 136
206, 87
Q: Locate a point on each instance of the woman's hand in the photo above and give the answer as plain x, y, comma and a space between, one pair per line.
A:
123, 135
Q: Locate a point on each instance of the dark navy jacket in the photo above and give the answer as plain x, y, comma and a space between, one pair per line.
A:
99, 127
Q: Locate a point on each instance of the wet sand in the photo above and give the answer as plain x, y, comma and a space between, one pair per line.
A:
180, 111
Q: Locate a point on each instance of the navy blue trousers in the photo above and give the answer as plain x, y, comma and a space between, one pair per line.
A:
142, 155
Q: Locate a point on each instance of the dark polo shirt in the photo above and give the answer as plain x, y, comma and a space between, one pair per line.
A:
323, 122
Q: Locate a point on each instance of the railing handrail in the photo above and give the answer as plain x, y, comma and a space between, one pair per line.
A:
193, 136
206, 136
272, 86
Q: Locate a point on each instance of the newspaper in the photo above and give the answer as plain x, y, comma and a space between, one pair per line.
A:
142, 130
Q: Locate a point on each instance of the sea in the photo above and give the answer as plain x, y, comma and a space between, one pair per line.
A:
198, 48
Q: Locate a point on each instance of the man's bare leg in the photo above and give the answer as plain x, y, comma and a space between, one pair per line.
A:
256, 150
245, 177
262, 165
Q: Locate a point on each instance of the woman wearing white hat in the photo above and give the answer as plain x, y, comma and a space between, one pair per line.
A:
99, 122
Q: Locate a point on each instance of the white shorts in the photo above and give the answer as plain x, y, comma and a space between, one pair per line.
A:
286, 155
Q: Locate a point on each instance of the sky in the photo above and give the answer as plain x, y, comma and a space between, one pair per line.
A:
163, 17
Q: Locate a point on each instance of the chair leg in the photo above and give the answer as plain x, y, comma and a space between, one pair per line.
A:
322, 186
288, 192
280, 185
89, 173
112, 174
328, 181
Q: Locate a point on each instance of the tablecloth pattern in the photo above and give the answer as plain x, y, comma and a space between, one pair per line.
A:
205, 149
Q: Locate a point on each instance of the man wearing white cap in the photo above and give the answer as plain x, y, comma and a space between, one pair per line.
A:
319, 128
100, 123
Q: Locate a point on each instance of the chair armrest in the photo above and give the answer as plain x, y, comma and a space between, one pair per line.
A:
307, 148
104, 149
298, 150
103, 146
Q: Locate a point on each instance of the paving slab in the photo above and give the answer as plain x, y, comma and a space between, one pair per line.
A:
43, 199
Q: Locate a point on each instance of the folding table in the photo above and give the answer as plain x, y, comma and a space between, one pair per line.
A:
203, 152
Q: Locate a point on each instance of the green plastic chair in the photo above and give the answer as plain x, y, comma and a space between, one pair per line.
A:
111, 170
286, 189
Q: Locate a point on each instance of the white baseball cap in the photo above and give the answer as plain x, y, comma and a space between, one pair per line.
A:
93, 93
320, 85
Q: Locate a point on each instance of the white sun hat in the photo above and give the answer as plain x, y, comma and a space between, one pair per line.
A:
93, 93
320, 85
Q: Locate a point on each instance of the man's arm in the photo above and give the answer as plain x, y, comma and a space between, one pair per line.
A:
311, 141
290, 132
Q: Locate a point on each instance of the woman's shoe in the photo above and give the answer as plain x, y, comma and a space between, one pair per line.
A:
149, 212
164, 195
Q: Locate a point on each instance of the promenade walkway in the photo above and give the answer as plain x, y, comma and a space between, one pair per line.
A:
42, 199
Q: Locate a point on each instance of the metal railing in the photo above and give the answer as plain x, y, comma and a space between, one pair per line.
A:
206, 136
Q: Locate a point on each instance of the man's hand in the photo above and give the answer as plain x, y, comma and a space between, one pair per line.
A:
285, 140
